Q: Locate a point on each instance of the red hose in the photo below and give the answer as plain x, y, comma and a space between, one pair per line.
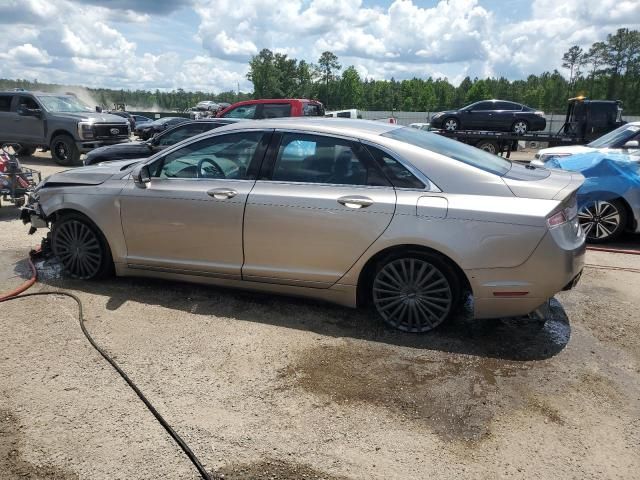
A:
17, 291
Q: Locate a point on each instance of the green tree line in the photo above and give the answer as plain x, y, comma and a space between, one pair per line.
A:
609, 69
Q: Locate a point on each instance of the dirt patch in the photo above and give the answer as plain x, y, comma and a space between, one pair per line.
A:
456, 397
12, 465
273, 469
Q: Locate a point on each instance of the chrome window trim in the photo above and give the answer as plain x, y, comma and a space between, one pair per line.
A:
344, 185
429, 185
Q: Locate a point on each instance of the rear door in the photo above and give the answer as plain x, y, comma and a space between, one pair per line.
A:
316, 208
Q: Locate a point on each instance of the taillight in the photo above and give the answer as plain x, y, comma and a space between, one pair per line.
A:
557, 219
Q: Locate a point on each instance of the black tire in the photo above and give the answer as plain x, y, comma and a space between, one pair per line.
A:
603, 220
520, 127
24, 152
450, 124
414, 291
81, 247
64, 150
488, 146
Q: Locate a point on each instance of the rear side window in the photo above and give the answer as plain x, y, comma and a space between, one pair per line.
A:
5, 103
319, 159
276, 110
396, 172
243, 111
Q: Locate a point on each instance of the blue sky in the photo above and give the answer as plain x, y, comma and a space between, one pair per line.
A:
204, 44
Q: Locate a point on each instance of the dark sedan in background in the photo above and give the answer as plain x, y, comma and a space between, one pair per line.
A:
147, 131
140, 149
497, 115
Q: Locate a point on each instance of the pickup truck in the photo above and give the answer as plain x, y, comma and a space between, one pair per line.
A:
57, 122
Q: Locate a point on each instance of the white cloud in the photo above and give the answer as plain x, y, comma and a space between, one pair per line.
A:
92, 42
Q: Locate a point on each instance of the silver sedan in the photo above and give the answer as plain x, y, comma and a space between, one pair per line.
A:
358, 213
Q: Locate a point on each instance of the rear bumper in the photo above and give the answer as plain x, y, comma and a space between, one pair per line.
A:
555, 265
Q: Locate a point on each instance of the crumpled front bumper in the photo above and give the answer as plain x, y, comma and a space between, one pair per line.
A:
32, 214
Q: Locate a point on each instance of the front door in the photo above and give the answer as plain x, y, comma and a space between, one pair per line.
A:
324, 202
189, 218
28, 128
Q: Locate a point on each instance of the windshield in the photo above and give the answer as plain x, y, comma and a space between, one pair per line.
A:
63, 103
617, 137
451, 148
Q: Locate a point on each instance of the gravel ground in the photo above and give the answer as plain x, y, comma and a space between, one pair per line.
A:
272, 387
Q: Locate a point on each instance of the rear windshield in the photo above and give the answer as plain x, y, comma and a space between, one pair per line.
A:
451, 148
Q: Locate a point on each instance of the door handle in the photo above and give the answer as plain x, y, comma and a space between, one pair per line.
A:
355, 201
222, 193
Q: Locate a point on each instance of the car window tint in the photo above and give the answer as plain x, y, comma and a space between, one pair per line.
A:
320, 159
312, 110
5, 103
396, 172
506, 106
483, 106
182, 132
28, 102
244, 111
223, 156
276, 110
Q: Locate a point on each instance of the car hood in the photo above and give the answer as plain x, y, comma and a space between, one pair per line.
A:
542, 183
91, 175
95, 116
446, 112
568, 149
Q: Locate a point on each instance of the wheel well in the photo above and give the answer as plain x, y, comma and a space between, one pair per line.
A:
366, 274
608, 196
70, 211
60, 132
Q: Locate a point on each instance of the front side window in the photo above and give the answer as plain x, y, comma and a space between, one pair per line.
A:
318, 159
28, 103
453, 149
243, 111
219, 157
276, 110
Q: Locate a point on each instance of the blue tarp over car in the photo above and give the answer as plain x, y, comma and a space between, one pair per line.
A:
607, 176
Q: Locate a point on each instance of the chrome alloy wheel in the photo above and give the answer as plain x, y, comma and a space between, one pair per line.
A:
451, 124
78, 247
599, 219
520, 127
412, 295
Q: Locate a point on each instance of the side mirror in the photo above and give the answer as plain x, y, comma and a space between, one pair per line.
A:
141, 176
632, 144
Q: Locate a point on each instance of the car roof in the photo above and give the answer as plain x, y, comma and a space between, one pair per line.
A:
331, 125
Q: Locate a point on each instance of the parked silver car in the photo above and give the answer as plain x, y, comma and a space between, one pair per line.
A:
349, 211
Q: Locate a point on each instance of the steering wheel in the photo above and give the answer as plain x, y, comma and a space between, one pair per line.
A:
218, 169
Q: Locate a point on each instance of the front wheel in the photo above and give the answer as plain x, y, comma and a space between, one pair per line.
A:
64, 150
603, 220
415, 292
81, 247
451, 124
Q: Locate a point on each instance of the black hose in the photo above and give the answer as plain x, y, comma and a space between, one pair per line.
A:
185, 448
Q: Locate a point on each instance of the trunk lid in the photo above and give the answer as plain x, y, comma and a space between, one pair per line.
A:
527, 181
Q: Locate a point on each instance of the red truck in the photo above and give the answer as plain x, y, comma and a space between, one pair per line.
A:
274, 108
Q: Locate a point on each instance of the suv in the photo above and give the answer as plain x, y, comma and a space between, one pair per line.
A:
60, 122
274, 108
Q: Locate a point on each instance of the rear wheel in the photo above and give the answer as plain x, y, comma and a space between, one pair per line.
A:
520, 127
64, 150
415, 292
451, 124
81, 247
603, 220
488, 146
